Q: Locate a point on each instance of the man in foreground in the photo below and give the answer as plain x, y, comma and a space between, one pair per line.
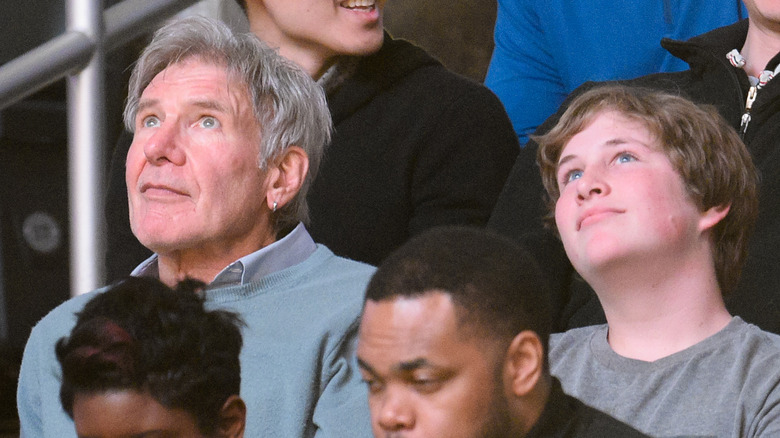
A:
453, 343
654, 200
227, 137
144, 359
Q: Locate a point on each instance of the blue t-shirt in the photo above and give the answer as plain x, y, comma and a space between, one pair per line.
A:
546, 49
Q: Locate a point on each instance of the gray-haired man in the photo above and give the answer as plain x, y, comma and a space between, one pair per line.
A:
227, 136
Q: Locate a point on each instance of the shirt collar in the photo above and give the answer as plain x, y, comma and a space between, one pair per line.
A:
288, 251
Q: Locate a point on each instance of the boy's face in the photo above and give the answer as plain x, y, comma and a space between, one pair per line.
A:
620, 198
129, 413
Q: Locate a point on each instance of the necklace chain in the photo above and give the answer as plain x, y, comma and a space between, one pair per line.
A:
738, 61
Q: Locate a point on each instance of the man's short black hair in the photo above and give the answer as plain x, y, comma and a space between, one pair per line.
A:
496, 287
141, 335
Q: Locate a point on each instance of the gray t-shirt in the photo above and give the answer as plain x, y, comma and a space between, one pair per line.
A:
727, 385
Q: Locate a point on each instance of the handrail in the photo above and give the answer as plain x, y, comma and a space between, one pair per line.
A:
86, 132
43, 65
79, 54
70, 52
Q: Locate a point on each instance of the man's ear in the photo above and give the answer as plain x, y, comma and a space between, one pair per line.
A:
232, 418
712, 216
285, 176
525, 362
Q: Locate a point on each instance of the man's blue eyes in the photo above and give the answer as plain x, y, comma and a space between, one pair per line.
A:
209, 122
205, 122
151, 122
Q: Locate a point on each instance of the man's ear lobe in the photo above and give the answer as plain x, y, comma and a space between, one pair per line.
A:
712, 216
232, 418
286, 176
525, 362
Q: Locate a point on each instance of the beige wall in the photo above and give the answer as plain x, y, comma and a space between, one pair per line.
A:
457, 32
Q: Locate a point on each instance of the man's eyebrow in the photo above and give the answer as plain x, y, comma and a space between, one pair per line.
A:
209, 104
201, 103
149, 433
146, 103
413, 364
402, 366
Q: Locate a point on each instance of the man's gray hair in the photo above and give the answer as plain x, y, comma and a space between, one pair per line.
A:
289, 106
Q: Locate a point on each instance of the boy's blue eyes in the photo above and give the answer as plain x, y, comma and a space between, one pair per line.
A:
575, 174
625, 157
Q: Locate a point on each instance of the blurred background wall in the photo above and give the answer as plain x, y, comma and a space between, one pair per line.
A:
459, 33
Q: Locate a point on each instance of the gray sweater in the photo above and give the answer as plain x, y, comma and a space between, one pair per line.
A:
297, 373
727, 385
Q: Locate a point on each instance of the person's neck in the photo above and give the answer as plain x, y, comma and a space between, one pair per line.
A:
312, 62
527, 410
203, 263
654, 313
310, 58
762, 43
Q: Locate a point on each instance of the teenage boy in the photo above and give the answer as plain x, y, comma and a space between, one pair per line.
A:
654, 200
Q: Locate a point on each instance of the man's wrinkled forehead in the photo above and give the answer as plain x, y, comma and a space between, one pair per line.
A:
205, 59
236, 93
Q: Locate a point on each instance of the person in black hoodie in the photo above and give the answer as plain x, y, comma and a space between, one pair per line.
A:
731, 68
414, 145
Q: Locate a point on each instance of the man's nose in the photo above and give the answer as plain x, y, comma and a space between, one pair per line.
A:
396, 411
165, 145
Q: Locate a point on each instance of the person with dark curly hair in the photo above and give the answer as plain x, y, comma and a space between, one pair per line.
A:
144, 358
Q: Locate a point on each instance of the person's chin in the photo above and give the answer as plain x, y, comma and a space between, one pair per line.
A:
367, 47
158, 237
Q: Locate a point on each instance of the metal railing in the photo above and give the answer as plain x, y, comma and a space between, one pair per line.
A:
78, 54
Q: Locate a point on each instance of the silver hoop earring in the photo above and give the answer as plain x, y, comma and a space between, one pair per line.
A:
274, 207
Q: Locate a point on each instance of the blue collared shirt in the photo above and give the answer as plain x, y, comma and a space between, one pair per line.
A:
288, 251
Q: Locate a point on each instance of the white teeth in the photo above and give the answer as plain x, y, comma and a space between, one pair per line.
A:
358, 3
